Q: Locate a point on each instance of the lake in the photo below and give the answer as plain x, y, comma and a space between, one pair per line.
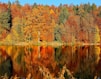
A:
47, 62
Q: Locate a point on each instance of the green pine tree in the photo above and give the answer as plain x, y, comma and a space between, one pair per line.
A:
63, 15
5, 20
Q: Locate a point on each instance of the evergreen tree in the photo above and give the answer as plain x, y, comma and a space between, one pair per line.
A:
63, 15
5, 19
34, 5
57, 33
99, 14
87, 7
17, 3
9, 4
76, 9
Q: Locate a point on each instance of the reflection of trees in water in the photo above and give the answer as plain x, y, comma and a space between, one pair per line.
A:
66, 55
58, 54
5, 64
98, 67
46, 60
87, 62
17, 55
81, 61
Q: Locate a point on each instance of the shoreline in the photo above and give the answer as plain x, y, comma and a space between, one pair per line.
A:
54, 43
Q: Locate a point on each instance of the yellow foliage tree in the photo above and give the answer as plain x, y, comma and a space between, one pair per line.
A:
97, 35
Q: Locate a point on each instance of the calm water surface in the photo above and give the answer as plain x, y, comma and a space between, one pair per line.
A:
83, 62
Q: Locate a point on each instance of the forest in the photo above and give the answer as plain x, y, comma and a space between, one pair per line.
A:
26, 29
43, 23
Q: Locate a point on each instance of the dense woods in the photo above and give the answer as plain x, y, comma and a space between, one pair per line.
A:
65, 23
65, 27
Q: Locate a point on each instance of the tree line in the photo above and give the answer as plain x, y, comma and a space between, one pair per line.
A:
65, 23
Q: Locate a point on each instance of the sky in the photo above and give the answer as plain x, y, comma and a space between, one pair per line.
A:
55, 2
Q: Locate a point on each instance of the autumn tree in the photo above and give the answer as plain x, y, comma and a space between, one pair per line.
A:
96, 35
17, 30
35, 22
71, 29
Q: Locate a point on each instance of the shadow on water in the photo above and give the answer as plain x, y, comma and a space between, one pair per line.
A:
83, 62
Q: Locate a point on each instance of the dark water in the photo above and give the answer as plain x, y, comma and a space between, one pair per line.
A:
83, 62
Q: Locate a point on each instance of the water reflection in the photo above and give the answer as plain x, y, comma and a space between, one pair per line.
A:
83, 62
